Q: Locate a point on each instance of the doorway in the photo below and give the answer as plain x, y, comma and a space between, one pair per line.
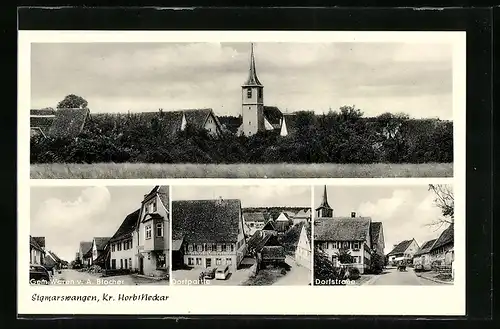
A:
141, 265
208, 262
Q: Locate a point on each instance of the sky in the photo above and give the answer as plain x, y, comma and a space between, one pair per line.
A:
67, 215
250, 196
405, 211
118, 77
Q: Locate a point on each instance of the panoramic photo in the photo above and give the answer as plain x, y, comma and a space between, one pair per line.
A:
384, 235
241, 235
241, 110
100, 235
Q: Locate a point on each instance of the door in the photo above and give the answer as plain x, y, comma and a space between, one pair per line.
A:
208, 262
141, 265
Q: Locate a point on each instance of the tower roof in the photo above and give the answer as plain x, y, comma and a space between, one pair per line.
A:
252, 73
324, 202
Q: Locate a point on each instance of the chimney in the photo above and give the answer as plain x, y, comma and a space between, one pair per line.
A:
353, 214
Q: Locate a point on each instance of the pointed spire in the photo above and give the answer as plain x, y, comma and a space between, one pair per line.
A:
324, 203
252, 74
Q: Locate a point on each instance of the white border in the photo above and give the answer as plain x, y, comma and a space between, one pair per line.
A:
308, 300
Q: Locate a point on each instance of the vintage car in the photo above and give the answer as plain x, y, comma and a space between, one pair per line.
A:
208, 273
39, 274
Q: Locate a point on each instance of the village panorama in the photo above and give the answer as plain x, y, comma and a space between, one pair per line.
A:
255, 140
100, 235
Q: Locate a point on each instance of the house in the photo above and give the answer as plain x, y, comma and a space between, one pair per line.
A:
153, 233
266, 248
103, 260
282, 223
422, 258
123, 245
288, 127
303, 250
37, 253
355, 235
270, 226
58, 122
442, 251
52, 261
253, 221
208, 233
303, 215
98, 247
403, 251
85, 252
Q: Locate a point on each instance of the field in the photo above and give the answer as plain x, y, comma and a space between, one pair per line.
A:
280, 170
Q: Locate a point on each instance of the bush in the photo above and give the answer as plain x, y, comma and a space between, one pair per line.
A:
354, 273
336, 137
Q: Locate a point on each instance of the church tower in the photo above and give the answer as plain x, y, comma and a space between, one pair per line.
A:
324, 210
252, 101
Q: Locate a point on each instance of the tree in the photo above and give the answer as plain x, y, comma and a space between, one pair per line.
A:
72, 102
378, 262
325, 271
444, 200
344, 256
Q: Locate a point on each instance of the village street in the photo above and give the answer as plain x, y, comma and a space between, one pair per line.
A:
297, 276
74, 277
192, 276
393, 277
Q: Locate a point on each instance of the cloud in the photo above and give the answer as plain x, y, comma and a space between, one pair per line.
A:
386, 208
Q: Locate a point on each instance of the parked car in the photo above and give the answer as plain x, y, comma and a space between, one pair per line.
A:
39, 274
222, 272
209, 273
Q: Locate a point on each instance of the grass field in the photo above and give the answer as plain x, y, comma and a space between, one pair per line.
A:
280, 170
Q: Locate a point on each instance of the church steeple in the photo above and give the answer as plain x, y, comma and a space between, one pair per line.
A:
324, 210
252, 102
252, 80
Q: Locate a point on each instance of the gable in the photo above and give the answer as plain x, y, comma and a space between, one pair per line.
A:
342, 229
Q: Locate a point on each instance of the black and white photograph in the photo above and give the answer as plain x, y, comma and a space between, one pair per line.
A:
241, 235
241, 109
100, 235
384, 235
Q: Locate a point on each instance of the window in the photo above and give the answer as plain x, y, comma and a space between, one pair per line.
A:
209, 247
113, 264
232, 247
219, 248
229, 261
126, 263
346, 245
190, 261
198, 261
325, 245
249, 93
224, 247
113, 247
148, 232
190, 248
159, 229
355, 245
121, 263
149, 256
130, 263
119, 246
218, 261
214, 247
199, 247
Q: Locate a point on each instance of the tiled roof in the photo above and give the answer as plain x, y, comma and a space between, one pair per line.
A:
85, 247
208, 221
290, 122
35, 245
40, 240
426, 247
304, 213
254, 217
171, 121
68, 122
375, 228
127, 227
342, 229
269, 226
260, 239
230, 123
273, 252
273, 115
45, 111
445, 238
401, 247
100, 242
